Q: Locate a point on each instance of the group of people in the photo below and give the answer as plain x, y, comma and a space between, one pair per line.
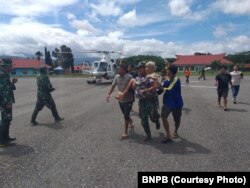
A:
187, 74
223, 80
143, 84
146, 87
7, 86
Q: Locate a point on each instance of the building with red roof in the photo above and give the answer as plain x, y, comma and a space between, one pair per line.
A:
197, 62
26, 67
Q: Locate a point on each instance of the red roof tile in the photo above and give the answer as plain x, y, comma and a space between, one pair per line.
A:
183, 60
27, 63
78, 67
247, 65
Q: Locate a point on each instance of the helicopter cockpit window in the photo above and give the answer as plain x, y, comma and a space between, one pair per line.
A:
109, 68
103, 66
114, 66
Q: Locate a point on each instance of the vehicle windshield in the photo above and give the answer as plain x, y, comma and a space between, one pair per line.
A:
103, 66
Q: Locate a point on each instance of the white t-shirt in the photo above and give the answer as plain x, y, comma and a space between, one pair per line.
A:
236, 78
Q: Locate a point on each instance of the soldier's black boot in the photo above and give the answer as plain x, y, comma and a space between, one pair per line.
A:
147, 131
158, 125
3, 141
33, 117
7, 136
56, 115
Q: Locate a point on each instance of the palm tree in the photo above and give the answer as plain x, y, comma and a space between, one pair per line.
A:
38, 54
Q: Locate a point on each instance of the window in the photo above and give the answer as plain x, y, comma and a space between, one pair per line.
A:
13, 72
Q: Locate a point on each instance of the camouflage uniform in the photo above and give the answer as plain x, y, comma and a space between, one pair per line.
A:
44, 97
6, 100
148, 104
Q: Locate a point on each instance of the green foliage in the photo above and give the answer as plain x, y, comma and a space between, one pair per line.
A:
215, 65
64, 57
48, 59
159, 61
239, 58
38, 54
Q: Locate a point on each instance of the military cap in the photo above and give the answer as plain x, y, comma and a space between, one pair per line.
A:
6, 62
141, 64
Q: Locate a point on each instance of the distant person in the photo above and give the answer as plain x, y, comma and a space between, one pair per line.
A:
222, 81
187, 74
172, 103
203, 74
6, 100
121, 80
44, 97
236, 79
132, 71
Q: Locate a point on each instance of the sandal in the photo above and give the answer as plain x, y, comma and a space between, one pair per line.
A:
166, 140
124, 136
175, 135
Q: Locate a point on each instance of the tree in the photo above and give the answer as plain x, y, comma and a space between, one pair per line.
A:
64, 57
48, 59
159, 61
38, 55
215, 65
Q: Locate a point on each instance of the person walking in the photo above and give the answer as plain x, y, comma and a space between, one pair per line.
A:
44, 97
121, 80
222, 81
145, 90
6, 101
172, 103
202, 74
237, 76
187, 74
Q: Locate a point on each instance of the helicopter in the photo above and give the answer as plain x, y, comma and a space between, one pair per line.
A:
103, 69
100, 70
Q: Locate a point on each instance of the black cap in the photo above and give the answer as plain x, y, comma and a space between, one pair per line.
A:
173, 69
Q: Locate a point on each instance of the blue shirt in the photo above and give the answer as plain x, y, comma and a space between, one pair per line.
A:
172, 93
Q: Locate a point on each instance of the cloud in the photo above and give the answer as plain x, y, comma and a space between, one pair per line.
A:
129, 19
82, 25
223, 30
106, 8
239, 7
31, 8
181, 8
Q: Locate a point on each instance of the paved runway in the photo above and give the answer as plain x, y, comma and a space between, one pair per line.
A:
86, 150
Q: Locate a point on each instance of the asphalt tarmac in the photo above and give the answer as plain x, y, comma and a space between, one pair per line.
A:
85, 150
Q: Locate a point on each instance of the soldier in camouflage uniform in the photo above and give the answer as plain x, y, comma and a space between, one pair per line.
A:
145, 91
44, 97
6, 100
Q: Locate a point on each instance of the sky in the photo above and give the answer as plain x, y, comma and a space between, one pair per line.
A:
132, 27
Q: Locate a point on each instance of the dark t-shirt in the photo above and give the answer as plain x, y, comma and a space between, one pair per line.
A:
223, 81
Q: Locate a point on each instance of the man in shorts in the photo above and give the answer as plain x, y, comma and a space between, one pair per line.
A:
121, 80
222, 81
172, 103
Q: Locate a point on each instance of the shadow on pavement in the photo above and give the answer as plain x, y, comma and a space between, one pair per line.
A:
236, 110
177, 146
16, 150
55, 125
246, 103
186, 110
